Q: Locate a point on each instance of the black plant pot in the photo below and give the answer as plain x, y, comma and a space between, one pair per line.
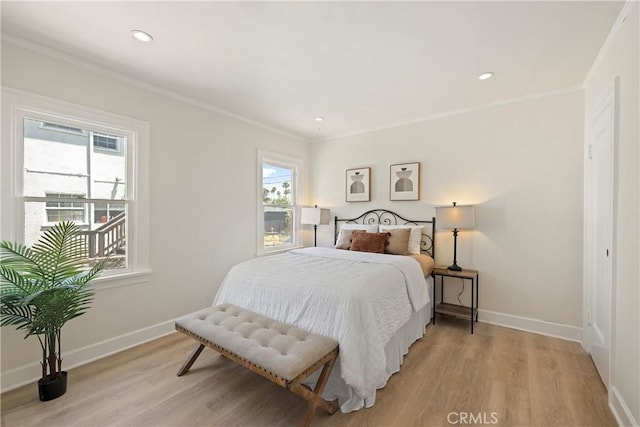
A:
52, 389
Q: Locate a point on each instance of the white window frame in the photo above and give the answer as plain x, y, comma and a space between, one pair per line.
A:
296, 195
18, 105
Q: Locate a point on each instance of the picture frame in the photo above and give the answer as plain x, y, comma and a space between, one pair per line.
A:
404, 181
358, 185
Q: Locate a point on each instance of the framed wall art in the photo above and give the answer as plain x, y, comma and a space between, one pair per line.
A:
357, 187
404, 181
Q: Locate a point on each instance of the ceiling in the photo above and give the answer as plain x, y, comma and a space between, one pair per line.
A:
360, 65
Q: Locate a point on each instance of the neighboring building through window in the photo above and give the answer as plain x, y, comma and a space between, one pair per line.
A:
65, 207
277, 207
105, 142
62, 128
68, 177
105, 212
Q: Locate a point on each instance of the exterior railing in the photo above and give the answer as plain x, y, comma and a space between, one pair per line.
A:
106, 239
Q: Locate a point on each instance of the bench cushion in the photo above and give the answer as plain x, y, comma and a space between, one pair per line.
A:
282, 349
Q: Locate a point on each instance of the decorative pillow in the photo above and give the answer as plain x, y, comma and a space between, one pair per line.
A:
369, 242
398, 242
414, 237
344, 237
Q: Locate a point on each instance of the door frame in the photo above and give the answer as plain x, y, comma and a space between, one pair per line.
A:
610, 97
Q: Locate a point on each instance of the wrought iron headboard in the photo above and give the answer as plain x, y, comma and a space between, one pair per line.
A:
387, 217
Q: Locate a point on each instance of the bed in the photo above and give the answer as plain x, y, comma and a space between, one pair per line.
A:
374, 304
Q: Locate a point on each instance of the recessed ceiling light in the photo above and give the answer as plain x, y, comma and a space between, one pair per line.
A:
319, 119
141, 36
485, 76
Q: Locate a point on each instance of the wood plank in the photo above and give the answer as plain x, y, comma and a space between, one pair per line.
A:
527, 379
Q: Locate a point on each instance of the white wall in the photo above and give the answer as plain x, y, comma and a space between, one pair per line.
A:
520, 164
203, 205
621, 59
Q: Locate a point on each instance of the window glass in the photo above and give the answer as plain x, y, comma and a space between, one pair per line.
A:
278, 203
66, 179
65, 207
105, 142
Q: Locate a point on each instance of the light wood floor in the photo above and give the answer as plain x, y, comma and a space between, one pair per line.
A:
525, 379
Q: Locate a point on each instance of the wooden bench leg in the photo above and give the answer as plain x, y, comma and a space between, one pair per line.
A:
192, 358
315, 397
331, 407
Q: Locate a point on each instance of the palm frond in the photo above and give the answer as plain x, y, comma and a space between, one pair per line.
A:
18, 316
20, 258
83, 278
60, 252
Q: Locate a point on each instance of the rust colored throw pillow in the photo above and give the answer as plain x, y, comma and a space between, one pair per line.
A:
369, 242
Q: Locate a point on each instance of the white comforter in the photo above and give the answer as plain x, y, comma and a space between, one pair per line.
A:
359, 299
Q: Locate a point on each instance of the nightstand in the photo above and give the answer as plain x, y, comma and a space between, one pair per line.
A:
456, 310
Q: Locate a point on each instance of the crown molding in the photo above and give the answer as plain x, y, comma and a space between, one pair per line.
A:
607, 42
56, 54
557, 92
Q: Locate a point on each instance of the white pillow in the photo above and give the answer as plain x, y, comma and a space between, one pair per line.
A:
369, 228
414, 237
344, 237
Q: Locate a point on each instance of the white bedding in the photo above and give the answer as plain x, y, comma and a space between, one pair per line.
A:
359, 299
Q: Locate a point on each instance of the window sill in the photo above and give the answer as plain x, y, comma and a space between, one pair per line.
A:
279, 251
125, 279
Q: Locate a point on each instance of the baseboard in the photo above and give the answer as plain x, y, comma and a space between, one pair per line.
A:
557, 330
620, 410
30, 373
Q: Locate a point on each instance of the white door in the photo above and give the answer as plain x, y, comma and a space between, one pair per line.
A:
599, 234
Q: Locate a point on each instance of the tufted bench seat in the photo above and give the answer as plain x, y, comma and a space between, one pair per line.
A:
279, 352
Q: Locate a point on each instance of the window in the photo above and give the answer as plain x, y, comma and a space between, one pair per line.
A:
277, 219
105, 142
64, 207
105, 212
79, 165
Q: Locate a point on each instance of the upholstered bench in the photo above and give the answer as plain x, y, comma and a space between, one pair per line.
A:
279, 352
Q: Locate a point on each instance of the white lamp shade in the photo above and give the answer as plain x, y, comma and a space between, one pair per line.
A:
450, 217
314, 216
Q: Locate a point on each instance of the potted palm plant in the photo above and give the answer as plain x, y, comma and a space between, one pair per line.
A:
41, 289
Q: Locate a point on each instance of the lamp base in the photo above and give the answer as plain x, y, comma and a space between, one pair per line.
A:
454, 267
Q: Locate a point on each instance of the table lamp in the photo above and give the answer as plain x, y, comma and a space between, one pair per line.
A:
314, 216
455, 218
